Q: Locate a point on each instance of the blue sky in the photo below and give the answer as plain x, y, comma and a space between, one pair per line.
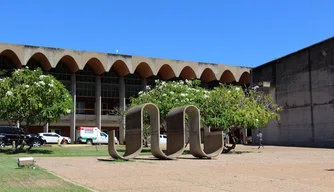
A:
234, 32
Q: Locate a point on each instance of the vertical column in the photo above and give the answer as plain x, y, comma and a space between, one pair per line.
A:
122, 107
143, 84
46, 128
73, 116
98, 101
251, 79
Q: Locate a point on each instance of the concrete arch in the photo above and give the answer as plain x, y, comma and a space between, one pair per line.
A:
120, 60
244, 78
136, 61
97, 61
208, 75
12, 55
17, 49
166, 72
121, 68
144, 70
96, 65
42, 59
227, 77
70, 63
188, 73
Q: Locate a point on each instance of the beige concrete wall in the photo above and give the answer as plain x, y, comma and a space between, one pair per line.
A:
304, 83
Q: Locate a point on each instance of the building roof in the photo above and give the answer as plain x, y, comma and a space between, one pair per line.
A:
124, 64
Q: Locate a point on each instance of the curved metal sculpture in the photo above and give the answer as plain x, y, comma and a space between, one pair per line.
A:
134, 131
213, 142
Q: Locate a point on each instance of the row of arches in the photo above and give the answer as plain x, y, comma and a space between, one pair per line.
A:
143, 69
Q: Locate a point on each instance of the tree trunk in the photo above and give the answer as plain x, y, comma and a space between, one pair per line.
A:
22, 141
188, 141
145, 143
234, 139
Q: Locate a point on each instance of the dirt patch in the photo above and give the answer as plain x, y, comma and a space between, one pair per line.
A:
268, 169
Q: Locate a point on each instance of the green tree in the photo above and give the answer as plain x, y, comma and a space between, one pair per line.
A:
230, 107
29, 97
226, 107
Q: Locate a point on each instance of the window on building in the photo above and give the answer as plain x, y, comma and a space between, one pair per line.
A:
80, 107
62, 74
132, 85
105, 109
109, 85
85, 83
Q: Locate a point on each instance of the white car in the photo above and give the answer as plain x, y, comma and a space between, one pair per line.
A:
163, 139
53, 137
249, 139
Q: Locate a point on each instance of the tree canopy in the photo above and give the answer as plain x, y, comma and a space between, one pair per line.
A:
230, 107
168, 95
224, 107
31, 97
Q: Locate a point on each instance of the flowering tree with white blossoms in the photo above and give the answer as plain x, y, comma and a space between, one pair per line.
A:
168, 95
226, 107
29, 97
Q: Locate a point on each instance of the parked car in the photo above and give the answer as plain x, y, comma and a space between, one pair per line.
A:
116, 141
54, 138
13, 133
249, 139
163, 139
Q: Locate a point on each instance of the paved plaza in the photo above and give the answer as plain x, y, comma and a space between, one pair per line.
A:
270, 169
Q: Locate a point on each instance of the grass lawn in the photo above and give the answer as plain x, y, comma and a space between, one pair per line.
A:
66, 151
13, 178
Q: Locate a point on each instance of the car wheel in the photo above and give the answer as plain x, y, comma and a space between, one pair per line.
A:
66, 141
89, 142
36, 143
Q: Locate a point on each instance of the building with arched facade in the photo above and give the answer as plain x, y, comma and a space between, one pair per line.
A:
99, 82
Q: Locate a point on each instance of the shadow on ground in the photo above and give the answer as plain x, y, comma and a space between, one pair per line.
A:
142, 151
24, 151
